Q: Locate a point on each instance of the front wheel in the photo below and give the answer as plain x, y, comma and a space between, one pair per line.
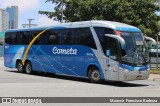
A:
28, 68
94, 75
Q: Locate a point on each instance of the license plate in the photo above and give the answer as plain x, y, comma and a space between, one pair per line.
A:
139, 77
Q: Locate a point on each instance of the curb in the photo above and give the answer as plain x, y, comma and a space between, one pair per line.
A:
154, 79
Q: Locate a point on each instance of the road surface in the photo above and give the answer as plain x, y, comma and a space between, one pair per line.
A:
14, 84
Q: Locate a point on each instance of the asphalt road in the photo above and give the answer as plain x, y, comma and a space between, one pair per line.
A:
14, 84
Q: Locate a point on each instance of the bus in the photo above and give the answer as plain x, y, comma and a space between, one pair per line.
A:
98, 50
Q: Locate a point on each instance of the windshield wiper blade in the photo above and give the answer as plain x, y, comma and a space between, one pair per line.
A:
143, 57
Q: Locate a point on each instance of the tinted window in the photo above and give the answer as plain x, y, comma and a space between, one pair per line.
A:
18, 38
83, 36
34, 34
67, 37
76, 36
100, 31
26, 37
10, 38
53, 37
50, 37
111, 45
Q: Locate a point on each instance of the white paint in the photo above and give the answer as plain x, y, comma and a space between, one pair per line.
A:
64, 51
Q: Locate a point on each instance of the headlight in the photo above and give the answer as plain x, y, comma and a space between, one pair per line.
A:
126, 71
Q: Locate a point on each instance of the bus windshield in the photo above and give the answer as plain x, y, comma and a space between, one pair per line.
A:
136, 49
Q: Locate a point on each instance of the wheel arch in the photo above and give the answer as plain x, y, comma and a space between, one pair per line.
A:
96, 66
27, 61
17, 62
21, 61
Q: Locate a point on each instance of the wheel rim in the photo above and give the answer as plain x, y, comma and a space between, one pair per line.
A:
20, 67
28, 68
95, 75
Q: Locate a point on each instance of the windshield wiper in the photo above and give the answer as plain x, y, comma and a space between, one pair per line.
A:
140, 53
134, 54
143, 57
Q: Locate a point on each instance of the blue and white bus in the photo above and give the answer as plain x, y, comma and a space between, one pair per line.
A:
98, 50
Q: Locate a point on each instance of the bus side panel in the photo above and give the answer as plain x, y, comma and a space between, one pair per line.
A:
77, 64
100, 59
56, 60
41, 61
12, 53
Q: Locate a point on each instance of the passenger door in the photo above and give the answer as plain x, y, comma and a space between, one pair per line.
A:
112, 63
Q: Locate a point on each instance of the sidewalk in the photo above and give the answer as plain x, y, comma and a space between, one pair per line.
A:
1, 60
154, 77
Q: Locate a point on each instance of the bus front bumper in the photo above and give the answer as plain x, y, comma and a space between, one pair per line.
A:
127, 75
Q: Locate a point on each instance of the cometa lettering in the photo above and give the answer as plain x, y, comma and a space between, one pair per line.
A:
70, 51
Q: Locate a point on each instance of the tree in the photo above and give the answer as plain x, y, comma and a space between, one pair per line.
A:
58, 14
139, 13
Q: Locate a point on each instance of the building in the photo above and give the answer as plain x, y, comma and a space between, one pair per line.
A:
3, 20
13, 17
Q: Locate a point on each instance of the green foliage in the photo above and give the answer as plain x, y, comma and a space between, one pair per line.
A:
139, 13
58, 9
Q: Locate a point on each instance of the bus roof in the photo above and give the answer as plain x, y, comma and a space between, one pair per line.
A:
97, 23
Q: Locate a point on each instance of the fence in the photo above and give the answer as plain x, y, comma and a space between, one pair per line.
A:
153, 58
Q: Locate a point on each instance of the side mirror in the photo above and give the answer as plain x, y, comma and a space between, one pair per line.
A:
150, 42
119, 38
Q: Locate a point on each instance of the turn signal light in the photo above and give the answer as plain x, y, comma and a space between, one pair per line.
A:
118, 33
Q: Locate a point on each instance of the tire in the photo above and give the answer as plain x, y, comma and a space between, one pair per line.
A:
20, 67
94, 75
28, 68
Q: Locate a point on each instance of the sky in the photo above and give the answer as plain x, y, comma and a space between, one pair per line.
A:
28, 9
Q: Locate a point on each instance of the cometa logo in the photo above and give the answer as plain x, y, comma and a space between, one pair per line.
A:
65, 51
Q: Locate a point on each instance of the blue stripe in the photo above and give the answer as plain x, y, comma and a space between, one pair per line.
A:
133, 68
128, 29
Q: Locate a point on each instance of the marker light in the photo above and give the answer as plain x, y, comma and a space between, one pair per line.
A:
118, 33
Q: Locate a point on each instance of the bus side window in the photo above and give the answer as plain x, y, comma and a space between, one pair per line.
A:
19, 38
42, 39
67, 37
25, 38
85, 37
53, 37
33, 35
10, 38
14, 38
